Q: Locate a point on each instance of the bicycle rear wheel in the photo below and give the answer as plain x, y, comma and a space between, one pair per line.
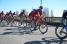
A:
61, 32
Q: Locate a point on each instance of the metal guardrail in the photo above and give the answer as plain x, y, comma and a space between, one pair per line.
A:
54, 21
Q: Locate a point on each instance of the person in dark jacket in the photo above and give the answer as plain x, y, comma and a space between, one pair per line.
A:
64, 17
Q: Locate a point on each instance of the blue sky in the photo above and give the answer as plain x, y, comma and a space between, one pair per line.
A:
56, 5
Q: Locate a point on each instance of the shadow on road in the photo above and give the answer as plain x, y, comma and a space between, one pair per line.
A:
48, 40
15, 32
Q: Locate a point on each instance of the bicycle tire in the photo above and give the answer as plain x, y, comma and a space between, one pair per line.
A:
59, 35
45, 30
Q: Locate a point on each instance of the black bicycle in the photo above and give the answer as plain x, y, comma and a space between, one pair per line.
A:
61, 31
37, 26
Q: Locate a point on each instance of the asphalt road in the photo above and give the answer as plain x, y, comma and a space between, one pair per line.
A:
17, 37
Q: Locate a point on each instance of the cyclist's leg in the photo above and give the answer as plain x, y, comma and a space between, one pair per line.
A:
35, 26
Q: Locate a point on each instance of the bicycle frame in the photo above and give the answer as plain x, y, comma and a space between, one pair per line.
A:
64, 23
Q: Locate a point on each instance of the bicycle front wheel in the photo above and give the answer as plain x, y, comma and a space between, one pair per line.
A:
61, 32
43, 29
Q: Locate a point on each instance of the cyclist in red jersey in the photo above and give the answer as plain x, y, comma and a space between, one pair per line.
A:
22, 13
22, 16
31, 15
10, 14
38, 14
1, 14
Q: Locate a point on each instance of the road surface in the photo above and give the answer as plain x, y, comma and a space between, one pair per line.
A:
17, 37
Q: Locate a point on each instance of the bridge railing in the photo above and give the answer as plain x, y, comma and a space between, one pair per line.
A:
53, 19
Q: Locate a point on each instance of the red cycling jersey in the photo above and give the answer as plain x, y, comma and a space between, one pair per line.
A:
35, 15
21, 14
